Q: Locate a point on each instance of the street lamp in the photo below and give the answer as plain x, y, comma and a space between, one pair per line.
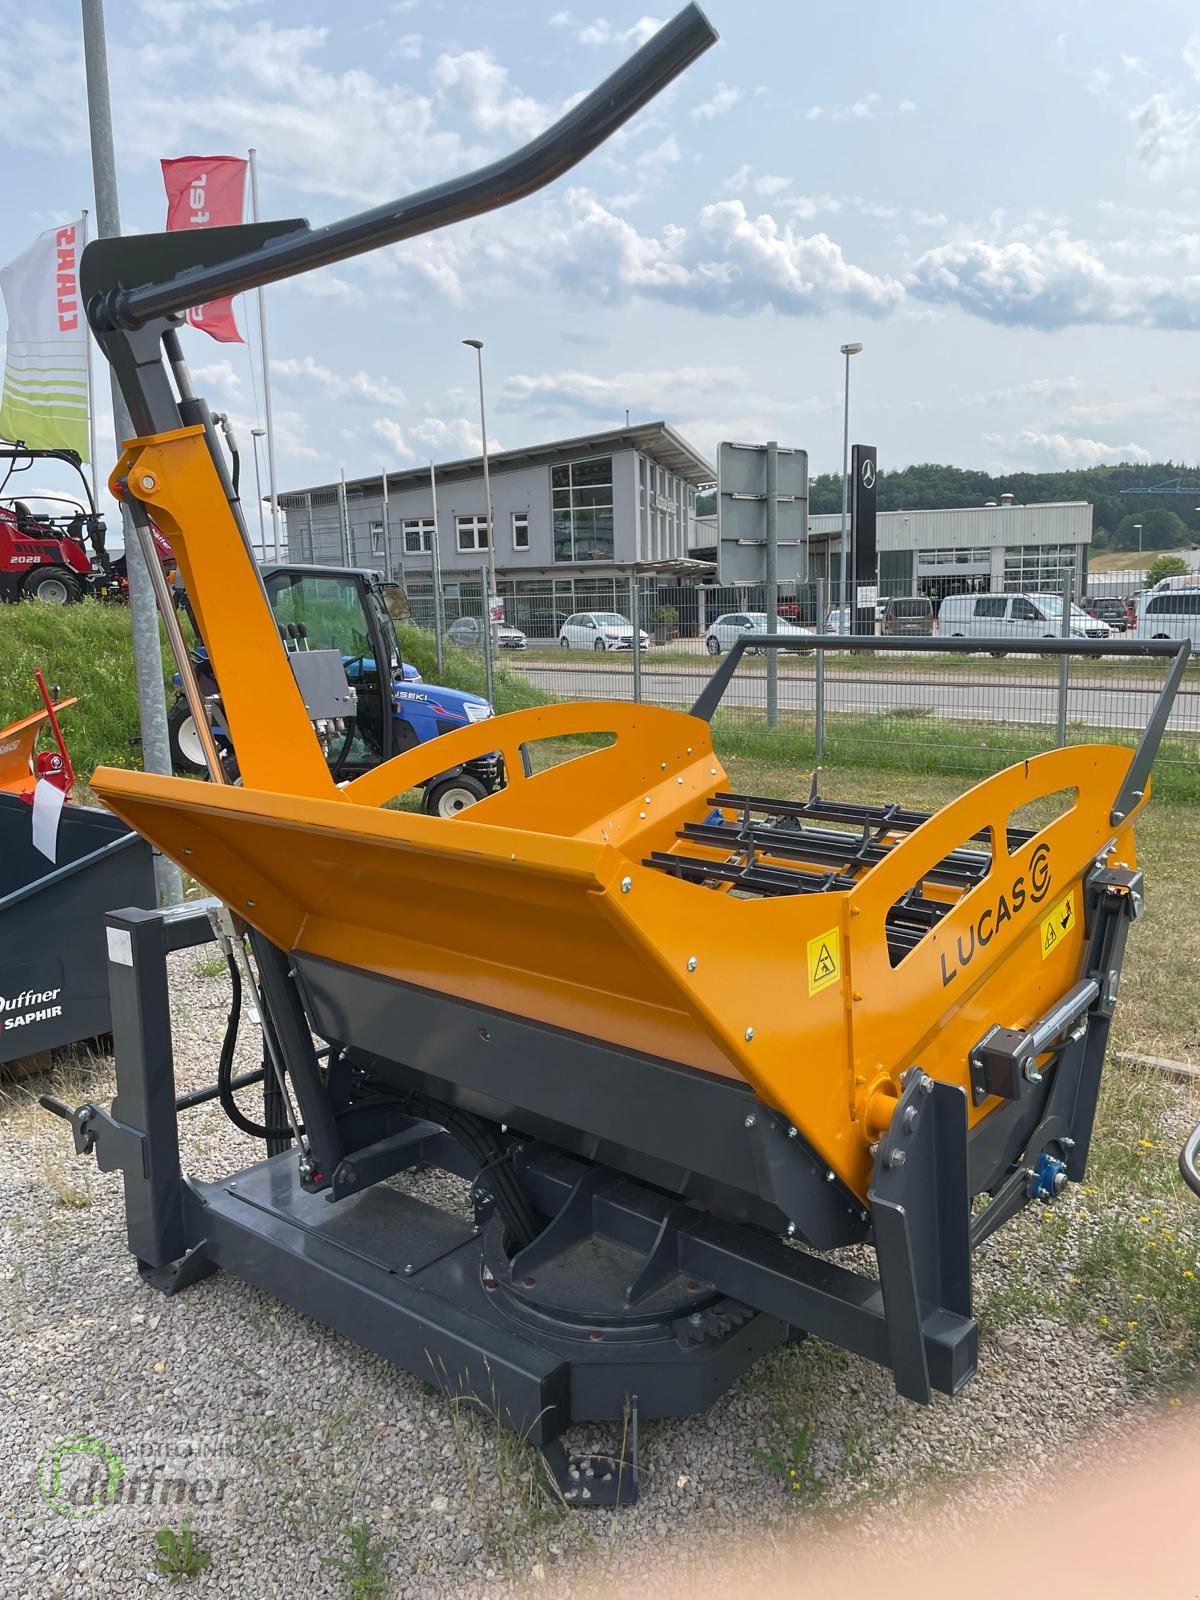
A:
1137, 528
256, 434
477, 346
847, 350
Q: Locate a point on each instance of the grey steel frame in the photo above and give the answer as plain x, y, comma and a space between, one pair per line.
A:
1133, 786
442, 1297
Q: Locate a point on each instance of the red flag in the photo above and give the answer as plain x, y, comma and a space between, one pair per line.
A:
207, 192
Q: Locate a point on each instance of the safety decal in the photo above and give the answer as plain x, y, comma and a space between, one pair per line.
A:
824, 960
1058, 924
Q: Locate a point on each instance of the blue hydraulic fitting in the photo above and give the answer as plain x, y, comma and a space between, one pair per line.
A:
1048, 1179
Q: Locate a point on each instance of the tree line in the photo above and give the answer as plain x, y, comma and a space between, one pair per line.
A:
1168, 521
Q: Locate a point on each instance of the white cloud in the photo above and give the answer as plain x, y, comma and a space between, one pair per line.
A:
408, 46
360, 386
720, 102
328, 285
1049, 282
659, 392
218, 375
661, 155
602, 32
476, 85
320, 131
1069, 450
1047, 391
1167, 137
393, 436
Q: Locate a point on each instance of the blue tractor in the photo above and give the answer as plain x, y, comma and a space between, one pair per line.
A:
351, 611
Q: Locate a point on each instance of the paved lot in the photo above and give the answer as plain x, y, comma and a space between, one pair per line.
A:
1020, 701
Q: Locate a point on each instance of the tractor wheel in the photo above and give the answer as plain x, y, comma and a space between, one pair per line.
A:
187, 755
452, 795
53, 586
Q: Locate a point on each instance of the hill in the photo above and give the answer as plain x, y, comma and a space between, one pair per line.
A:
1168, 521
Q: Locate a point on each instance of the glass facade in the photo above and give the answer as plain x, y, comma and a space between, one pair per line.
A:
1038, 568
581, 496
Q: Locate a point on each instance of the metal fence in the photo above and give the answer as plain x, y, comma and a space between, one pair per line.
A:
904, 709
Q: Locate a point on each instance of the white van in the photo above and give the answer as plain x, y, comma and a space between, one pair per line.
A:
1013, 616
1169, 614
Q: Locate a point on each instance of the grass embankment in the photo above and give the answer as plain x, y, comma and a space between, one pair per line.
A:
87, 651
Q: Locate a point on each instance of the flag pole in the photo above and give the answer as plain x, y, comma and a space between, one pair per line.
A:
265, 359
91, 403
143, 610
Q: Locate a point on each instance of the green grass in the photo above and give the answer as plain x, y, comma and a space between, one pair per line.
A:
87, 650
178, 1555
362, 1570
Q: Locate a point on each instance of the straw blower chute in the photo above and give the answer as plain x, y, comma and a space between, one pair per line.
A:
681, 1042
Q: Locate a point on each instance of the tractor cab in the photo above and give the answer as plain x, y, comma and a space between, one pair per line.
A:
45, 535
350, 612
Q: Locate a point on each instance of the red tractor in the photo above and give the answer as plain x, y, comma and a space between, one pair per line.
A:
44, 547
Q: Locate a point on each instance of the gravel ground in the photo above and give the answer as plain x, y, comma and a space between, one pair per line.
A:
278, 1433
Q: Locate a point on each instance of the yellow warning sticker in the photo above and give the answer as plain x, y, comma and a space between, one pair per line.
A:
1058, 924
824, 960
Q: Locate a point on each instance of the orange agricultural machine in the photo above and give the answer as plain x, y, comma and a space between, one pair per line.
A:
680, 1041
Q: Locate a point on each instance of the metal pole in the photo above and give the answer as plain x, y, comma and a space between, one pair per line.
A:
265, 359
772, 586
819, 680
147, 649
845, 488
91, 398
387, 531
344, 520
489, 674
1064, 665
493, 626
847, 350
436, 554
308, 510
255, 435
635, 619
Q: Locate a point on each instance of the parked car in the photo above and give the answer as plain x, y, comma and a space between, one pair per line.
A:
1170, 614
1112, 609
725, 630
908, 614
599, 630
467, 633
1014, 616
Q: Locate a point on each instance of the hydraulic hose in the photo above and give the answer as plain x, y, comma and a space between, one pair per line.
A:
1189, 1161
256, 1130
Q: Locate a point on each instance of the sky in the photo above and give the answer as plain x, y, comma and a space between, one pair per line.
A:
1001, 201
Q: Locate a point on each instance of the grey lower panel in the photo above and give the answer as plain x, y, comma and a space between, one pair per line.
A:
681, 1129
345, 1265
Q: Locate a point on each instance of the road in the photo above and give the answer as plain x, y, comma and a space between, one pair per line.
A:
1017, 702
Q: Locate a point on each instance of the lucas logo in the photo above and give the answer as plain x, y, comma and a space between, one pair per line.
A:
1028, 887
31, 1005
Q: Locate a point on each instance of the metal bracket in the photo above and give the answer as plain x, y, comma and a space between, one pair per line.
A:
116, 1146
596, 1480
921, 1210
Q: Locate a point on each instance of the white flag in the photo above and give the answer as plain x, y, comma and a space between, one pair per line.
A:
45, 373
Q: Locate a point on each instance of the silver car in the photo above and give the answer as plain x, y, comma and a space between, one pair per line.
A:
467, 634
